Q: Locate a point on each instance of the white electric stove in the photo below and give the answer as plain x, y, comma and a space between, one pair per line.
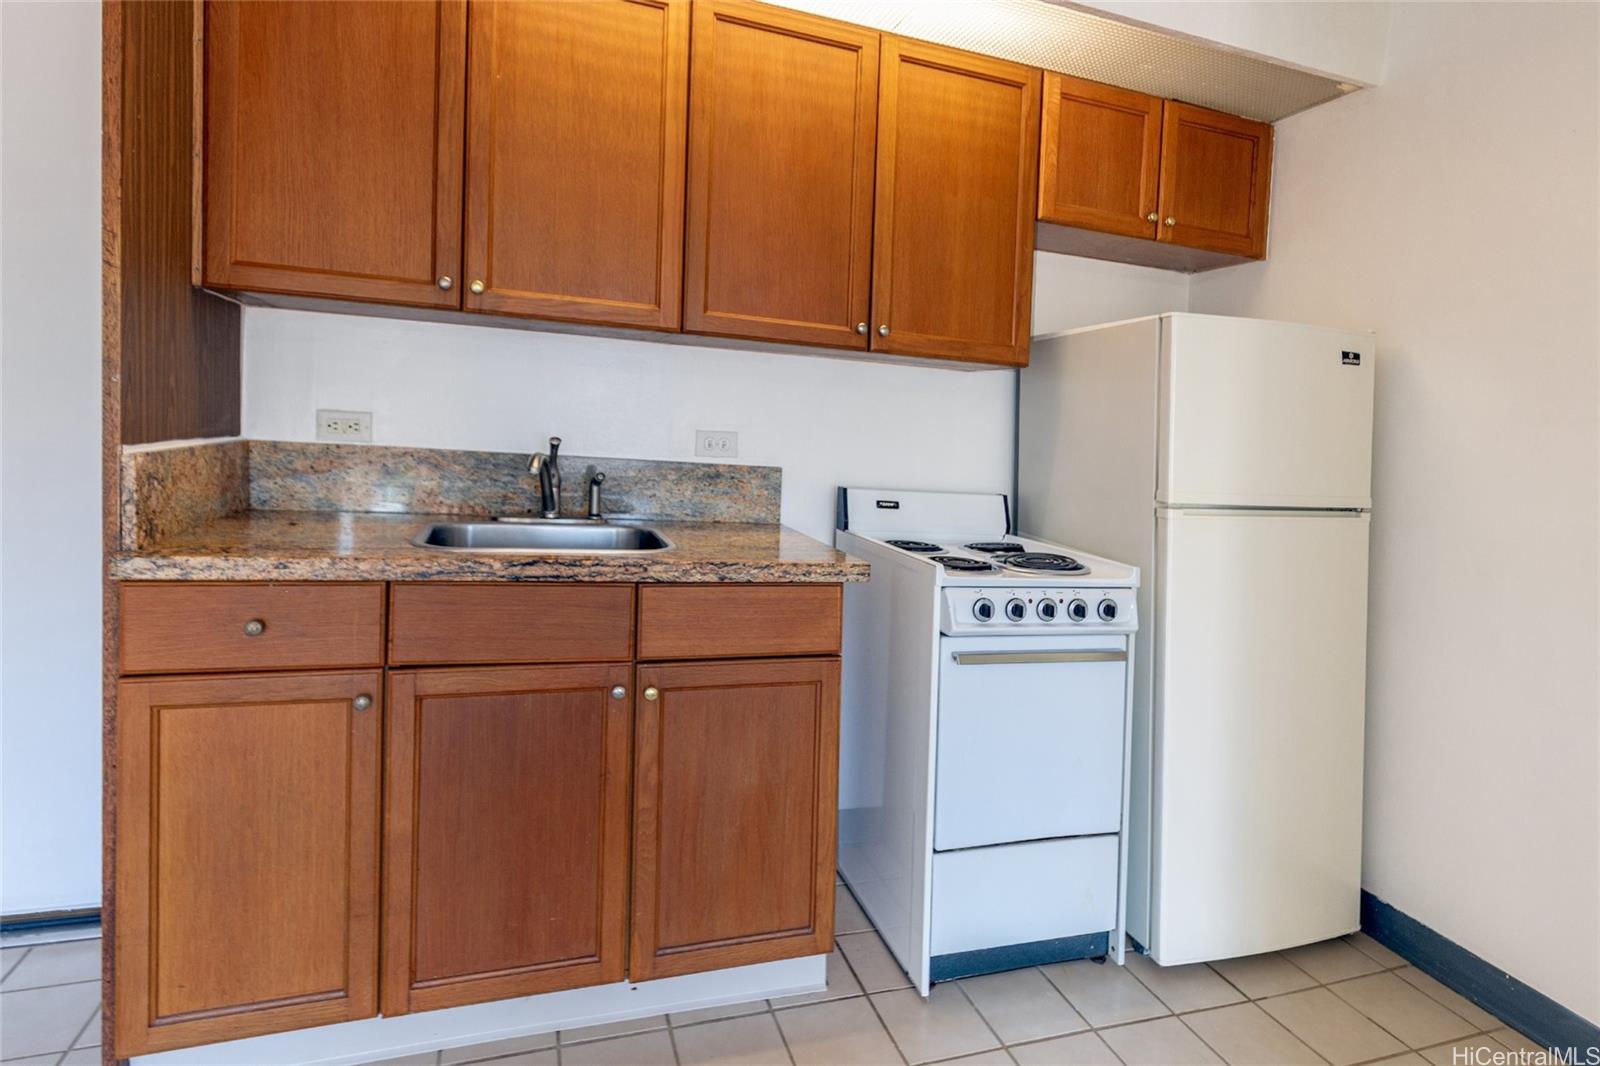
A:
984, 736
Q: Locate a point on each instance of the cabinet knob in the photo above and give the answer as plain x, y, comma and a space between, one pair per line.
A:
1152, 217
255, 627
476, 286
861, 328
1171, 221
883, 330
652, 693
362, 702
617, 692
445, 282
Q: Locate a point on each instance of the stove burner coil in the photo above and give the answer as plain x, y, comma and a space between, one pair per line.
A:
1042, 562
962, 564
994, 547
920, 546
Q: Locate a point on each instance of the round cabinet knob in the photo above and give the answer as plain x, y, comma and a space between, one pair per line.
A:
1171, 221
477, 285
1077, 610
255, 627
983, 609
1046, 610
446, 282
1107, 610
1016, 610
861, 328
652, 693
883, 330
1152, 217
618, 692
362, 702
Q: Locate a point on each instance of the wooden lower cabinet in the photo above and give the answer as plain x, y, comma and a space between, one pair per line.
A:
247, 856
735, 799
505, 841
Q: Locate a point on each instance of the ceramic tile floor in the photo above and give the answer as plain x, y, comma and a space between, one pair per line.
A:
1341, 1002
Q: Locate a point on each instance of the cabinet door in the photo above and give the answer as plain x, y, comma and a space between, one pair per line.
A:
1099, 156
782, 133
958, 144
506, 822
575, 141
735, 788
326, 172
247, 856
1216, 171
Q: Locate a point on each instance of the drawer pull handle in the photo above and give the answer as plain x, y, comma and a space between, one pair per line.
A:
255, 627
362, 702
652, 693
618, 692
983, 658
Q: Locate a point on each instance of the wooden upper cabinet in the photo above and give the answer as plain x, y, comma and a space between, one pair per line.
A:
735, 790
327, 172
575, 155
782, 128
506, 840
958, 143
1099, 156
1216, 171
247, 856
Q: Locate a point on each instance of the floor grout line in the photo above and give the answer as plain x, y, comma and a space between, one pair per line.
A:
57, 984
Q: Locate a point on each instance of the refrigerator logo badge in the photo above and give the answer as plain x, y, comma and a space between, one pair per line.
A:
1350, 358
889, 505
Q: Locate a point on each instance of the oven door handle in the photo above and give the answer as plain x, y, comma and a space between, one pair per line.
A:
1006, 658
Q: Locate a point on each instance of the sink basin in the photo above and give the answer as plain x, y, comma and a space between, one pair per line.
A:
536, 538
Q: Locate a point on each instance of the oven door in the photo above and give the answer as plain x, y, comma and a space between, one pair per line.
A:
1030, 738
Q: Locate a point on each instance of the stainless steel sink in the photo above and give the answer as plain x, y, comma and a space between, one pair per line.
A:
541, 538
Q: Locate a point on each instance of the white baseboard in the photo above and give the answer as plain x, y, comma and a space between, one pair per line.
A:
370, 1039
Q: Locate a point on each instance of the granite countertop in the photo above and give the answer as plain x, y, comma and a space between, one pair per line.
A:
357, 546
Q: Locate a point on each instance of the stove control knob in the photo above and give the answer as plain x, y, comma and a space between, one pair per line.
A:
1107, 610
983, 609
1046, 610
1016, 610
1077, 610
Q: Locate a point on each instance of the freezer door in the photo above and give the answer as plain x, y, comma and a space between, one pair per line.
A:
1258, 715
1264, 414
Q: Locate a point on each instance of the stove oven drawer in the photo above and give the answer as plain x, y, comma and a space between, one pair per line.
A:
1030, 737
1023, 893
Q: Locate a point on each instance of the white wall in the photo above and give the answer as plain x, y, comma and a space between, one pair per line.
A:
1340, 38
826, 421
1453, 210
49, 456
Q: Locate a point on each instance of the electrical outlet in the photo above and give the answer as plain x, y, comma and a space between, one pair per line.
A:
344, 425
716, 443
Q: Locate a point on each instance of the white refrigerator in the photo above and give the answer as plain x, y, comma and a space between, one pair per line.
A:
1230, 459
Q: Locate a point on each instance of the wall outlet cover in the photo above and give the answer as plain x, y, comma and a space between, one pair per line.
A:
344, 425
716, 443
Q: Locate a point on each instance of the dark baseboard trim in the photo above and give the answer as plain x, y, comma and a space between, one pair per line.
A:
1015, 956
1525, 1009
16, 923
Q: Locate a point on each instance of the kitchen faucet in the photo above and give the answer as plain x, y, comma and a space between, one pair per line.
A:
548, 469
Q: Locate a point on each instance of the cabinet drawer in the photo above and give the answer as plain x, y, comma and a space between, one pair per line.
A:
432, 623
722, 621
194, 628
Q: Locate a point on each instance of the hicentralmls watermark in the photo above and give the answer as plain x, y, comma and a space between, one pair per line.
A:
1555, 1056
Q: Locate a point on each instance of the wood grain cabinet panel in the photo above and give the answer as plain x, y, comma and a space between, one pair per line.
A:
506, 841
247, 856
958, 143
327, 171
1216, 171
726, 621
1099, 156
575, 160
195, 627
782, 132
440, 623
735, 791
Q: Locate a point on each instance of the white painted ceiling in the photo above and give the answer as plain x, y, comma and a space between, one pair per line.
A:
1051, 35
